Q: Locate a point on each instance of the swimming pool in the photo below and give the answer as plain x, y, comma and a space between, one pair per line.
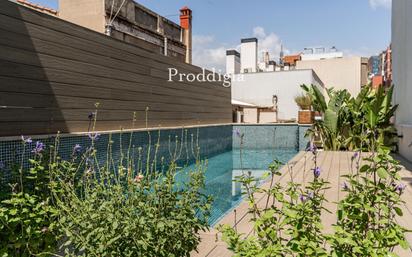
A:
223, 168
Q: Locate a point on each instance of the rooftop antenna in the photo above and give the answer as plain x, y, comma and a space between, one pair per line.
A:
281, 55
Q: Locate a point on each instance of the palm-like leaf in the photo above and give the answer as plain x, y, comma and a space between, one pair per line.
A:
353, 122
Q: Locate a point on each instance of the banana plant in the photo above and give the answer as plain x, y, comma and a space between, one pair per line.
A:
330, 127
353, 123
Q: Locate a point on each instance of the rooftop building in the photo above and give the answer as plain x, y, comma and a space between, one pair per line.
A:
131, 22
247, 60
232, 62
270, 94
350, 73
264, 92
249, 55
374, 66
320, 53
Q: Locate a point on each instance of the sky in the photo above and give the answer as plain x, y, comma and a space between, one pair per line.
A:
356, 27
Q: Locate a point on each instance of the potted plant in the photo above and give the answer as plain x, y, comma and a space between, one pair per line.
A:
305, 115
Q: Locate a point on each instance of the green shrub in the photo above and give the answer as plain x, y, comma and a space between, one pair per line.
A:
27, 214
126, 213
351, 123
89, 207
367, 223
290, 224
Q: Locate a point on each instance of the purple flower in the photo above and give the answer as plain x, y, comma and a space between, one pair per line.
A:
355, 155
2, 165
237, 132
26, 140
312, 148
39, 148
400, 188
345, 186
302, 198
316, 172
94, 136
77, 148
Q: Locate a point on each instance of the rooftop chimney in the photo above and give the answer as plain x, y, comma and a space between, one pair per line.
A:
186, 24
248, 53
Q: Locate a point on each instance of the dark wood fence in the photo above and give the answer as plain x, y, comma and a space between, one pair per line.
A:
53, 72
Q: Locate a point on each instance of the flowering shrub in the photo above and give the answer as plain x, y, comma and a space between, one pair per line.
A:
120, 211
367, 215
90, 207
27, 214
290, 223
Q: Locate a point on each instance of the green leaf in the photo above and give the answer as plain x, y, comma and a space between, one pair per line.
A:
331, 120
398, 211
404, 244
382, 173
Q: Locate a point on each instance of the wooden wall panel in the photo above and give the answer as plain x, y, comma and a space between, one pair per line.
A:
52, 73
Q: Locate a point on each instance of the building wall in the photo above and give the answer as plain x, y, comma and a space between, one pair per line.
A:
134, 24
52, 74
340, 73
402, 71
267, 116
90, 14
248, 54
377, 81
232, 64
374, 65
364, 71
250, 115
259, 88
320, 56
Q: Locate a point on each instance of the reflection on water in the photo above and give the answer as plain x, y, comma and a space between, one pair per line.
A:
223, 168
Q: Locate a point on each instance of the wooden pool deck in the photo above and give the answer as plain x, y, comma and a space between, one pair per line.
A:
333, 166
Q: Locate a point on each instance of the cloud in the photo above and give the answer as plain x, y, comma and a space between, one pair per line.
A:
202, 40
362, 52
259, 32
206, 54
268, 43
210, 54
380, 3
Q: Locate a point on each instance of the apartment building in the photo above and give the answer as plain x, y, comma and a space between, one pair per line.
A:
131, 22
402, 72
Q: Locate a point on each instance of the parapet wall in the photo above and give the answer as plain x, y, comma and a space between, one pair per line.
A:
52, 73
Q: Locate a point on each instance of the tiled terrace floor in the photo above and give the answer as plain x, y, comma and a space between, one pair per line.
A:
334, 165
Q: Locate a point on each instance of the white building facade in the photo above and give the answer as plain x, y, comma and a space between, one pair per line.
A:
402, 72
249, 55
232, 62
264, 92
260, 89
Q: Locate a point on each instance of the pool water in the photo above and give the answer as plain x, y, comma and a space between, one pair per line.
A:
222, 170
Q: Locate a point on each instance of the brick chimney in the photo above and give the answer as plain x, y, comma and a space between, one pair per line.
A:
186, 24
